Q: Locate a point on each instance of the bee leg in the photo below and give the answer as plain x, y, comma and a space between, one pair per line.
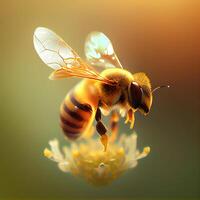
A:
114, 125
130, 118
101, 129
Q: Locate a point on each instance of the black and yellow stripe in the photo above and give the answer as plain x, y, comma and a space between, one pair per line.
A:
74, 116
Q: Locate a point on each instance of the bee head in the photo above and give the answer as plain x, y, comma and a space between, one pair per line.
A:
139, 97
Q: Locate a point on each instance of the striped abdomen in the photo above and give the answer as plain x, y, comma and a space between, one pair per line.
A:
74, 115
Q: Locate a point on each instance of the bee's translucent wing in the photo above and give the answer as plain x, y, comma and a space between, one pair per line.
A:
61, 57
99, 51
53, 50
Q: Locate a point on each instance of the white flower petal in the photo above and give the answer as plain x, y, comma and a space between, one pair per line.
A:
57, 155
88, 160
145, 152
64, 166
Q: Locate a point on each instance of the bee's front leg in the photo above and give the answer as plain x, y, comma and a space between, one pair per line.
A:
101, 129
130, 118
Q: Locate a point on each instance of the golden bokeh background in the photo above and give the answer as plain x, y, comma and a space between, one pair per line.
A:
161, 38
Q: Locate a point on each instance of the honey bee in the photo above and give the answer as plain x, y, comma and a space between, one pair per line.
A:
114, 90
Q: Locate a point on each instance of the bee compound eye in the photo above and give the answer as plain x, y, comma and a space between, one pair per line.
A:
134, 95
144, 108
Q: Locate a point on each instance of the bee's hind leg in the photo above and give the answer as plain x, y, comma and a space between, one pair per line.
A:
114, 125
101, 129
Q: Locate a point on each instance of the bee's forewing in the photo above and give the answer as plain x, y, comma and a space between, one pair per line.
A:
52, 49
58, 55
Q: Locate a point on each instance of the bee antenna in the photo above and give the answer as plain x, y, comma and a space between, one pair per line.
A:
162, 86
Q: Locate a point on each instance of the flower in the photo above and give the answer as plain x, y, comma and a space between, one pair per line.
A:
87, 159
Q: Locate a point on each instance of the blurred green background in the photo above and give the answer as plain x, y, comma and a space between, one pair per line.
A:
161, 38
